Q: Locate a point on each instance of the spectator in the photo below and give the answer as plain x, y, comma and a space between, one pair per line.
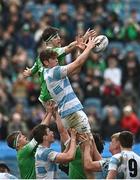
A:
113, 72
17, 124
110, 125
110, 93
130, 72
115, 30
132, 27
97, 63
92, 89
3, 127
130, 121
20, 89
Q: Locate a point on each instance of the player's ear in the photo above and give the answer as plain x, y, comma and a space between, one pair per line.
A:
46, 63
45, 137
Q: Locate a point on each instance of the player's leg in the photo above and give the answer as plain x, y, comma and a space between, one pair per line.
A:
79, 121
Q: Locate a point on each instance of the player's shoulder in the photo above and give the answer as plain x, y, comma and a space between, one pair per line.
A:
135, 155
116, 159
7, 176
129, 154
43, 151
48, 70
117, 156
46, 151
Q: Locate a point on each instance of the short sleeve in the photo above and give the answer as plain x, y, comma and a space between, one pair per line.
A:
52, 155
113, 164
60, 72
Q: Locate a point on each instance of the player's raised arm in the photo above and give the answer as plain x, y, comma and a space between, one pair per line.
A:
72, 67
49, 106
63, 132
90, 165
68, 156
33, 70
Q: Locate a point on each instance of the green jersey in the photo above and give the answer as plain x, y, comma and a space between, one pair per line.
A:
76, 170
38, 67
26, 160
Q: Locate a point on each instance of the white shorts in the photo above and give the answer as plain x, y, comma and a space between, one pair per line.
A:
78, 121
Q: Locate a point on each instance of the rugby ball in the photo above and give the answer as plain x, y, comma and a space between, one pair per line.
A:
101, 43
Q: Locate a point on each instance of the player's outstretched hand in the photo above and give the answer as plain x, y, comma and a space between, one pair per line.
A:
89, 33
91, 43
27, 72
80, 43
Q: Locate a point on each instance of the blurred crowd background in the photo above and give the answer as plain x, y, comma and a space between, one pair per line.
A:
109, 83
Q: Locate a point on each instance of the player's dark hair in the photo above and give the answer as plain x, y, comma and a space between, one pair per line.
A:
38, 132
126, 139
11, 139
99, 142
46, 55
4, 168
49, 32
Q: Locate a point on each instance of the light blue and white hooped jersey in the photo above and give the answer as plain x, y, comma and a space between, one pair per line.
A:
45, 166
104, 163
61, 91
126, 162
7, 176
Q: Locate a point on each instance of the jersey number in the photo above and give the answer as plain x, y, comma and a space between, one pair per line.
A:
132, 163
